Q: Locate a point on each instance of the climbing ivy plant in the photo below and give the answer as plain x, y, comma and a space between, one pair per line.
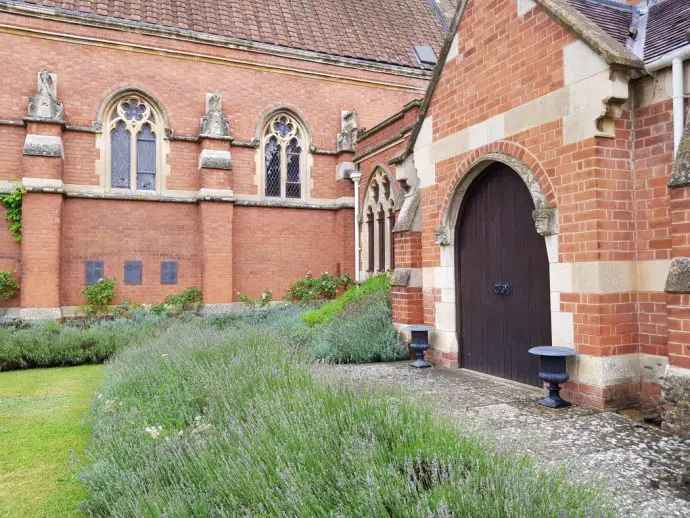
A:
13, 203
8, 288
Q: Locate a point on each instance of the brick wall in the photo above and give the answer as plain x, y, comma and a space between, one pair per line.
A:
221, 248
273, 247
117, 231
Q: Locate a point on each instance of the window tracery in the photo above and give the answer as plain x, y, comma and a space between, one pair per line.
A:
283, 147
379, 220
134, 134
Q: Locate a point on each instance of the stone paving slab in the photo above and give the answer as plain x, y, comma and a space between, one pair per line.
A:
640, 466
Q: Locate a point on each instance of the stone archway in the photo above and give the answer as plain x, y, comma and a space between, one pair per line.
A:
545, 221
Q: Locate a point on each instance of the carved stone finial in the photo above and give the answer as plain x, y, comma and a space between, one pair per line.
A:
545, 221
45, 105
214, 123
347, 138
441, 237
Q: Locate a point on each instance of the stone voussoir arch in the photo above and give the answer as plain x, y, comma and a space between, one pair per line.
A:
523, 163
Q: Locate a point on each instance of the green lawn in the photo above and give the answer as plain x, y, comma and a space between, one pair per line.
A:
43, 424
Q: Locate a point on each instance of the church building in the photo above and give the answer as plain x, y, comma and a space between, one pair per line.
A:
521, 167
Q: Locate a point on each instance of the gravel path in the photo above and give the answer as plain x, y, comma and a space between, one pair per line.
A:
641, 466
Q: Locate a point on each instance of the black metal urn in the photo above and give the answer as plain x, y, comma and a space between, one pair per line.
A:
553, 371
419, 344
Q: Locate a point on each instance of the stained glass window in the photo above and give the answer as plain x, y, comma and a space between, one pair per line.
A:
283, 157
133, 144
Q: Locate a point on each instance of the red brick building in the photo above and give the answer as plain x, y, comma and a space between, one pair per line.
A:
547, 178
206, 144
533, 189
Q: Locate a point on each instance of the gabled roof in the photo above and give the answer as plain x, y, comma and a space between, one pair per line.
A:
612, 51
383, 31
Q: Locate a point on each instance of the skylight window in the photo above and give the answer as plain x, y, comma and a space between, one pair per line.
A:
425, 55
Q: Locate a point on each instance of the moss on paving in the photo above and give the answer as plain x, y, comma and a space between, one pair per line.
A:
44, 425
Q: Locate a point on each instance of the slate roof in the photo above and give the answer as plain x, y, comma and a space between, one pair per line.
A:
615, 19
380, 30
667, 23
667, 28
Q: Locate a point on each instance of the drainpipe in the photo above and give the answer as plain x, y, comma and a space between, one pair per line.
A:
356, 176
675, 60
677, 103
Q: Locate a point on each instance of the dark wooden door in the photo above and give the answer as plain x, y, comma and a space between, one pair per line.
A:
496, 243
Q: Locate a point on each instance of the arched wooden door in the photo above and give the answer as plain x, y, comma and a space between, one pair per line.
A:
498, 246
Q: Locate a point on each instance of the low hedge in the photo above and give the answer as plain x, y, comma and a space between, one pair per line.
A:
49, 344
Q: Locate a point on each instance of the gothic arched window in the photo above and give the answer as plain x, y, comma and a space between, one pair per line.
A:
377, 235
283, 147
135, 130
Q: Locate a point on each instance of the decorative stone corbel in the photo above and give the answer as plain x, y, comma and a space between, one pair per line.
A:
678, 279
347, 138
401, 277
612, 104
214, 123
406, 174
343, 170
441, 237
546, 221
45, 104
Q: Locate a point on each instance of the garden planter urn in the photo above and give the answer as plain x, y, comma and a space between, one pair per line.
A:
553, 371
419, 344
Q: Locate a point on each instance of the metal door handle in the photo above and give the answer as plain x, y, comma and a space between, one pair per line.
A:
501, 288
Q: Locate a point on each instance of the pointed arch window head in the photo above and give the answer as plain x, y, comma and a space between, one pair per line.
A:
135, 134
284, 160
378, 243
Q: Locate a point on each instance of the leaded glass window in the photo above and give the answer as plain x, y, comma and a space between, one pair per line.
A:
273, 167
134, 148
146, 159
120, 155
284, 160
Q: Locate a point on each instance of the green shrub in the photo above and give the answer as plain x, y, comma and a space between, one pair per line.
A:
312, 288
211, 421
8, 288
364, 334
261, 302
378, 284
175, 304
98, 297
50, 344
